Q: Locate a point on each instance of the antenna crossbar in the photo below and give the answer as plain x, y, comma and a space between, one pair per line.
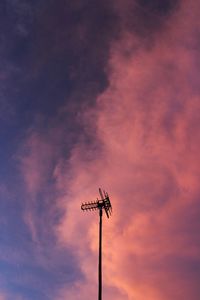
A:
89, 205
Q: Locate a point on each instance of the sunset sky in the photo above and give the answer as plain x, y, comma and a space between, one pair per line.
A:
100, 93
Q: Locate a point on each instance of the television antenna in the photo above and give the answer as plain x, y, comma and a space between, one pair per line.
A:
102, 204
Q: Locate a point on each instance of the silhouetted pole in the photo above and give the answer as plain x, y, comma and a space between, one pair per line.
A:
105, 204
100, 253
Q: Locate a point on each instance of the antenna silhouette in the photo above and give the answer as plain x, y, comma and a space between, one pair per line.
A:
102, 204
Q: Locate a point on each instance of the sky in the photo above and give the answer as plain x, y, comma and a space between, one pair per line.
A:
99, 93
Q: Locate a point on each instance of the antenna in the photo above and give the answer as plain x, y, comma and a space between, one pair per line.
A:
102, 204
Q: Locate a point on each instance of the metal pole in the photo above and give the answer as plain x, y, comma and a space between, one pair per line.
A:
103, 203
100, 254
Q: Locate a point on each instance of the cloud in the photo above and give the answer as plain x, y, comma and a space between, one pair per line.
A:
145, 152
22, 13
45, 266
141, 144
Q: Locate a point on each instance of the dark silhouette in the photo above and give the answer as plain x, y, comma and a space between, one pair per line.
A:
105, 204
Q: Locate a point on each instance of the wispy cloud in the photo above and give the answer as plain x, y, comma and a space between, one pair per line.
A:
146, 154
142, 146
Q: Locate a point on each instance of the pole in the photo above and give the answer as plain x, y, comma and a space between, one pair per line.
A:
100, 254
103, 203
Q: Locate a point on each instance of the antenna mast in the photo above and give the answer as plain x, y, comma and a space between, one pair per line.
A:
102, 204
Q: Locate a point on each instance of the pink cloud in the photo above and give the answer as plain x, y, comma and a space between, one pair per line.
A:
37, 158
145, 153
148, 159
